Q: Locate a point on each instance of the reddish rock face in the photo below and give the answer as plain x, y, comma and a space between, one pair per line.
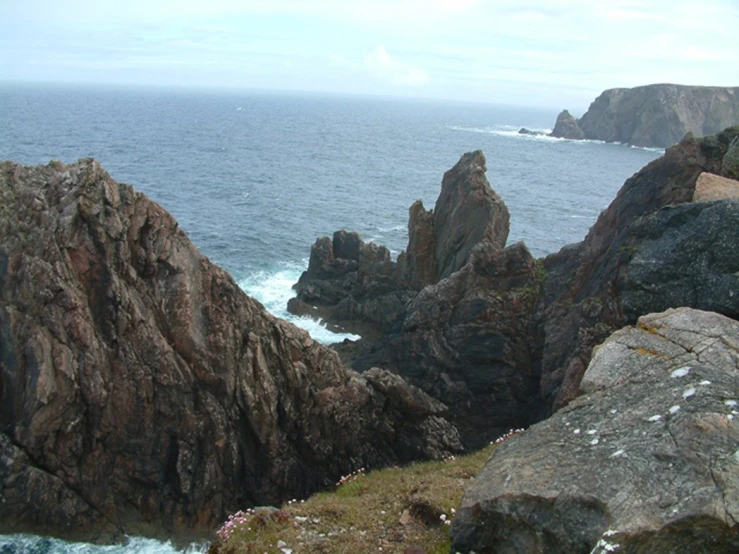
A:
143, 392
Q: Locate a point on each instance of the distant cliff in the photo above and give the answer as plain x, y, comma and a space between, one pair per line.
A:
653, 115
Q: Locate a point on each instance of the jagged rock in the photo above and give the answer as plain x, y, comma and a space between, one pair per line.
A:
418, 264
143, 392
638, 244
361, 285
505, 339
567, 127
468, 213
646, 462
658, 115
470, 341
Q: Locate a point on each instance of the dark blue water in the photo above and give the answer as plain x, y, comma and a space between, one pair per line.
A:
255, 178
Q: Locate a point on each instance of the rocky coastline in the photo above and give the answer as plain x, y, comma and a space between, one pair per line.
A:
653, 115
505, 339
144, 393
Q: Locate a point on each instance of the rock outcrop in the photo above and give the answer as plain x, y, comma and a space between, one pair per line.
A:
505, 339
653, 248
567, 127
141, 391
647, 461
653, 115
354, 284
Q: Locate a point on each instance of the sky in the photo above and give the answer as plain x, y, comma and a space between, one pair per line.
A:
549, 53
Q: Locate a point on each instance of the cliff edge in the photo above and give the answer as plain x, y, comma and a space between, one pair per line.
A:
653, 115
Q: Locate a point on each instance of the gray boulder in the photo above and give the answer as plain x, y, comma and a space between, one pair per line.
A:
647, 461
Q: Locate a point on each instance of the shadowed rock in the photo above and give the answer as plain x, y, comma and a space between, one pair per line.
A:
143, 392
645, 462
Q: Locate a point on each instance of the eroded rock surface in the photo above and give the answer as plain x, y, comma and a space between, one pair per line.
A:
143, 392
653, 115
647, 461
505, 339
653, 248
361, 285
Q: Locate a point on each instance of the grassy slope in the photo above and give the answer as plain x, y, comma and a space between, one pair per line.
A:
384, 511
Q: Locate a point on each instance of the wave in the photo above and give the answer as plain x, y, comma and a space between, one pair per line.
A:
273, 288
34, 544
511, 131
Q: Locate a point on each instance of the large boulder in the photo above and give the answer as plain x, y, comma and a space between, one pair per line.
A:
647, 461
141, 391
655, 115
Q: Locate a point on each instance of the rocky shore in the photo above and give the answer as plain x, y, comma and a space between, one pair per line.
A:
653, 115
504, 339
142, 392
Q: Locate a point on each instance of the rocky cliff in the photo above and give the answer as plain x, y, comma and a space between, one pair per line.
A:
142, 391
646, 461
505, 339
653, 115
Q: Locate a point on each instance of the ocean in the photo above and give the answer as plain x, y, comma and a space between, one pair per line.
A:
255, 177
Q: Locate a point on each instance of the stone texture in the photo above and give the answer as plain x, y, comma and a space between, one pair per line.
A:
362, 290
714, 187
468, 213
143, 392
505, 340
650, 235
656, 115
646, 462
567, 127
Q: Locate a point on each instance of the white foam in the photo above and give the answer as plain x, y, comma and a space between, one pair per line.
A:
134, 545
274, 289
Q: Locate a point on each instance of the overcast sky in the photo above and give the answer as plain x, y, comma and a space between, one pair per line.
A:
552, 53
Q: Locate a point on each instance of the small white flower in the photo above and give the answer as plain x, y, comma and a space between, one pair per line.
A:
674, 409
655, 418
705, 383
687, 393
594, 442
730, 402
576, 431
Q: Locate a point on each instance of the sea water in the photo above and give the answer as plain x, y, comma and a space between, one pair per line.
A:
254, 177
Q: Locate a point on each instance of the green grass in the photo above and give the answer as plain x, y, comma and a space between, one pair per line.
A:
383, 511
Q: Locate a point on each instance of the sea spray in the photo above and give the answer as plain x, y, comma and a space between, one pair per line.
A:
34, 544
273, 288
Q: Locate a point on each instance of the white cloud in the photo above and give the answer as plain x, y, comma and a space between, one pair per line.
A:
382, 66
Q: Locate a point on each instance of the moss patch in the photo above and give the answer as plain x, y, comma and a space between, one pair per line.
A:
383, 511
